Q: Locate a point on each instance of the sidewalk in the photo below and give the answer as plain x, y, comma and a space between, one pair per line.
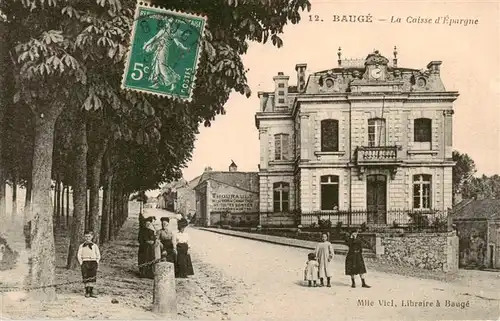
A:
338, 248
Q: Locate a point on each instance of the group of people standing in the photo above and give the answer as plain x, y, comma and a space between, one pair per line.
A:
318, 265
173, 246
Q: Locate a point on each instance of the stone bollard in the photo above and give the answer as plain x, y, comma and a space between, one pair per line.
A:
164, 295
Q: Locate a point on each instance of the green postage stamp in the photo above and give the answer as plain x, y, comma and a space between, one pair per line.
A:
164, 52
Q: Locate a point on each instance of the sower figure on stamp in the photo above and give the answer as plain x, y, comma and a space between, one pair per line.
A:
324, 254
160, 44
167, 239
354, 263
89, 257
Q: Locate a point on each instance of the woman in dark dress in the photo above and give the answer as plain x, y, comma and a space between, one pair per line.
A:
167, 241
354, 263
149, 238
184, 266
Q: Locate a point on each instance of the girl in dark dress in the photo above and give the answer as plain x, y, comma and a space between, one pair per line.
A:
167, 240
184, 266
354, 263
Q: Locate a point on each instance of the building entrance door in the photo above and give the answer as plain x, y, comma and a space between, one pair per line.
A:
376, 199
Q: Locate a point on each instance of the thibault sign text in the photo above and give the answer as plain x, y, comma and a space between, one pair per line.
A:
232, 202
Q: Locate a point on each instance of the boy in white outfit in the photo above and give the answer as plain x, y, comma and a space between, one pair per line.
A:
89, 257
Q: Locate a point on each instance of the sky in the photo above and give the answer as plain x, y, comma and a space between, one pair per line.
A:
470, 58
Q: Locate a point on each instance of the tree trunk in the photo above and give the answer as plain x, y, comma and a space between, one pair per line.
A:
67, 203
3, 203
87, 218
122, 210
106, 198
112, 212
4, 100
27, 201
94, 194
56, 201
58, 204
127, 204
43, 254
79, 192
62, 201
14, 196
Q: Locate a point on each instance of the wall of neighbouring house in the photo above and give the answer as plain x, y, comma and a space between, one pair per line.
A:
222, 199
493, 250
430, 251
186, 201
470, 252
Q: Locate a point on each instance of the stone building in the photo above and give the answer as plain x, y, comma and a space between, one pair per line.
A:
227, 198
368, 141
167, 198
478, 227
185, 203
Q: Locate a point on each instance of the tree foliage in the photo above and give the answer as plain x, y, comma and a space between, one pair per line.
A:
66, 55
463, 171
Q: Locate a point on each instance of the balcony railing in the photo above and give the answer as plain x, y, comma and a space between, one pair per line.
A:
377, 155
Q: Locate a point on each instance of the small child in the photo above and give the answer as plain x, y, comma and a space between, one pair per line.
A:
311, 270
89, 257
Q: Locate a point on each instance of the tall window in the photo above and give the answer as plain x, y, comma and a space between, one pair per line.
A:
376, 132
329, 135
281, 101
422, 191
281, 147
422, 130
281, 197
329, 192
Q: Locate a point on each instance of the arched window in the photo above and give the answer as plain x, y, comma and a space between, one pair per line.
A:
422, 188
281, 147
329, 135
376, 132
281, 197
329, 192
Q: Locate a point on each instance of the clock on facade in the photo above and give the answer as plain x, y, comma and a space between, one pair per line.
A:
376, 73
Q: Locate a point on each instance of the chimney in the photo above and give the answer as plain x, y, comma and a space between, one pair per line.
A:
301, 76
434, 67
281, 90
263, 100
233, 167
395, 60
208, 169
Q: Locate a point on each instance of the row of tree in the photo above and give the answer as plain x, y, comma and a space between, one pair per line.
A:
63, 116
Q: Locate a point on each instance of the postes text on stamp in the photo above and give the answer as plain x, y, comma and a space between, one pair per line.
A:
164, 51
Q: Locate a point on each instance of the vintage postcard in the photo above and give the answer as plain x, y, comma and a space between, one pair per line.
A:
250, 160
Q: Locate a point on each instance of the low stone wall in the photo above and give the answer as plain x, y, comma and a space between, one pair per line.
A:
430, 251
